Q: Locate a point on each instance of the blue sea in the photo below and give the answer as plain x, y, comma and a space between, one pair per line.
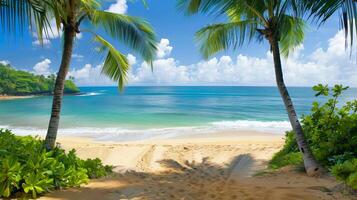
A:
159, 112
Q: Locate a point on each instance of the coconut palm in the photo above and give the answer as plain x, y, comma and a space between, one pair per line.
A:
322, 10
276, 21
134, 32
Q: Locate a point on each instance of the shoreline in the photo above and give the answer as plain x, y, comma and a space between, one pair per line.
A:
118, 134
13, 97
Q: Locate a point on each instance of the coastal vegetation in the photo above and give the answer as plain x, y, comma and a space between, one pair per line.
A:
331, 132
28, 169
280, 23
18, 82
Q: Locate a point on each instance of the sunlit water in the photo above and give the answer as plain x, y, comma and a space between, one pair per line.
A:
159, 112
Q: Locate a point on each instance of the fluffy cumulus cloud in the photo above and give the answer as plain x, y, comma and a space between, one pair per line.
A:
43, 67
120, 7
329, 65
163, 48
89, 75
131, 59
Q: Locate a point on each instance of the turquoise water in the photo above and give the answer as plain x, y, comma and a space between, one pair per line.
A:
142, 112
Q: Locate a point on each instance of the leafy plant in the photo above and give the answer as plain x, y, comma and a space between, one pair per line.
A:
9, 176
95, 168
331, 131
26, 166
36, 184
347, 171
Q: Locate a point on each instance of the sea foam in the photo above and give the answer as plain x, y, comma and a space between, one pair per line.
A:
124, 134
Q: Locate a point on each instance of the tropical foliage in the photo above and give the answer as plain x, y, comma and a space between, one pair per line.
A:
17, 82
331, 132
27, 169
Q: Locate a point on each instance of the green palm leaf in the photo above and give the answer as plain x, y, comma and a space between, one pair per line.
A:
116, 65
18, 15
322, 10
292, 30
247, 19
218, 37
132, 31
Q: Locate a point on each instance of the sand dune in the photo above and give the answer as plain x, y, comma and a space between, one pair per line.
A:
215, 167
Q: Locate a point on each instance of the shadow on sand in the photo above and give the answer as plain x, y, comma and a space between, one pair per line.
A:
196, 181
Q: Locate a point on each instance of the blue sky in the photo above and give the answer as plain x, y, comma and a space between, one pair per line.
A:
180, 62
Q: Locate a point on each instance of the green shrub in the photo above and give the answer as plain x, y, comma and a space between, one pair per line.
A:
346, 171
26, 166
95, 168
288, 155
281, 159
331, 132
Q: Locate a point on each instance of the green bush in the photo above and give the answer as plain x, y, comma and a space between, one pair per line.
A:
26, 166
346, 171
331, 132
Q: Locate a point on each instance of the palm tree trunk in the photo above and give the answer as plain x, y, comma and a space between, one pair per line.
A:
69, 35
311, 166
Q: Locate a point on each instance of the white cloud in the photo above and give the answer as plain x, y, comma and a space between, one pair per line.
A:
164, 48
166, 71
90, 76
4, 62
119, 7
45, 42
78, 57
43, 67
331, 65
131, 59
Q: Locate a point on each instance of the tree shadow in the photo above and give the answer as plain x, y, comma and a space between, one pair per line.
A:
188, 180
203, 180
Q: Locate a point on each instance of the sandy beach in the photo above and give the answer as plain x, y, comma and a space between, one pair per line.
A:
6, 97
217, 166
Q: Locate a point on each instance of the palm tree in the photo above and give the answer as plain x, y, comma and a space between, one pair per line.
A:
322, 10
277, 21
136, 33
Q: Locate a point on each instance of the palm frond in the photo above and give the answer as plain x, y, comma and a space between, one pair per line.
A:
291, 33
322, 10
212, 7
116, 65
134, 32
18, 15
218, 37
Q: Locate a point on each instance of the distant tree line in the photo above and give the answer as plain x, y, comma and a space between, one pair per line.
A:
18, 82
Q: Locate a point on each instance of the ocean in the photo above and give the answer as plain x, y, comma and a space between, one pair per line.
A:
159, 112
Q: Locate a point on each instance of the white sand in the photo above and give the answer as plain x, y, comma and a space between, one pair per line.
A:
217, 166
